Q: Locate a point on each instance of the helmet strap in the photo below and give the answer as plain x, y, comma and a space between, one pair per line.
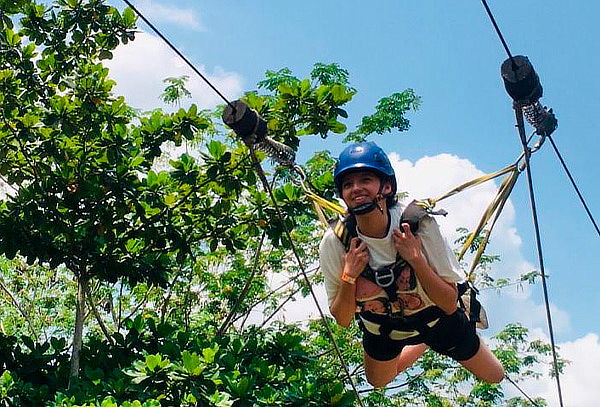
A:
369, 206
364, 208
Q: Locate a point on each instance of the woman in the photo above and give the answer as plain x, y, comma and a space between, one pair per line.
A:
398, 323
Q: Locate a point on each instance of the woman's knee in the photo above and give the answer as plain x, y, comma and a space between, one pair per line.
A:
495, 375
379, 373
485, 366
378, 381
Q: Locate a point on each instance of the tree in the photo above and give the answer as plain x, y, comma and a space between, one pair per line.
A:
86, 195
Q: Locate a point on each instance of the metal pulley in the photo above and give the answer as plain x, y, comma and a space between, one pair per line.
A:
245, 122
252, 129
523, 85
520, 79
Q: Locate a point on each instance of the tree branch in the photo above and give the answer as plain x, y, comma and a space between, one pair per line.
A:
17, 305
97, 315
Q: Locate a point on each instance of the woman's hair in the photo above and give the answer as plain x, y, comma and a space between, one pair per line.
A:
391, 199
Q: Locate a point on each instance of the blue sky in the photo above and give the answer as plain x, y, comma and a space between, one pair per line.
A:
449, 54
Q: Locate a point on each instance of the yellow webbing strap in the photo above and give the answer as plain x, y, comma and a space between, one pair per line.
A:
502, 198
319, 202
494, 209
473, 183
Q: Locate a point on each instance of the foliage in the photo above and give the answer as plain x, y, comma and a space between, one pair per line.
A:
389, 114
176, 90
38, 301
157, 364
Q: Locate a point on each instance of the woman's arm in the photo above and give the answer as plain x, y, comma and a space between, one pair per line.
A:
343, 306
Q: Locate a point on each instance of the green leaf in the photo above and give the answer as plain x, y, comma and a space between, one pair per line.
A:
137, 160
337, 127
192, 363
209, 354
129, 17
152, 178
105, 54
285, 89
12, 39
153, 361
170, 199
341, 112
216, 149
288, 189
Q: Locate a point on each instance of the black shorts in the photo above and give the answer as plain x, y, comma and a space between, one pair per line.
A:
452, 336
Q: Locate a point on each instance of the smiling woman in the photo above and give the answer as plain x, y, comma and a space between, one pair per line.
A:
398, 321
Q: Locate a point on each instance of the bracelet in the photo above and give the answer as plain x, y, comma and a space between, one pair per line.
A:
348, 279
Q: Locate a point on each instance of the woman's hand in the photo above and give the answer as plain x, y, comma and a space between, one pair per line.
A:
356, 258
407, 244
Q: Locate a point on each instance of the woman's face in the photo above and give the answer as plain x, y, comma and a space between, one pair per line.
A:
362, 187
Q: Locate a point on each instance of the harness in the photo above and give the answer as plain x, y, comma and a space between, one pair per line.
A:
345, 229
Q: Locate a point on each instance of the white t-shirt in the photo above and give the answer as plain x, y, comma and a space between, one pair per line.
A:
383, 253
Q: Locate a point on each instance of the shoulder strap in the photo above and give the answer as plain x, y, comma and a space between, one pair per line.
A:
413, 214
345, 229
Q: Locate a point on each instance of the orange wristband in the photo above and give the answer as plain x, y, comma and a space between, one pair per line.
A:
348, 279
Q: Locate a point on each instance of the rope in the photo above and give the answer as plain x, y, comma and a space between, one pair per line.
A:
533, 403
574, 185
521, 127
266, 185
473, 183
504, 193
139, 13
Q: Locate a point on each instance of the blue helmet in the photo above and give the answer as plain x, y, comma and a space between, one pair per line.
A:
364, 156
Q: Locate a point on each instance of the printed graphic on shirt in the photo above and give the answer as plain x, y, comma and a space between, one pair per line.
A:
411, 296
407, 280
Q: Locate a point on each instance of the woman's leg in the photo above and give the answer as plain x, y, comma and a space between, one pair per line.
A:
380, 373
484, 365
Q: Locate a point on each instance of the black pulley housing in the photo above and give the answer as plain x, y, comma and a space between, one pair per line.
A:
520, 79
245, 122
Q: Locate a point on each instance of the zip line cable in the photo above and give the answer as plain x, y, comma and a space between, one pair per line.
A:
519, 113
504, 44
574, 185
139, 13
533, 403
538, 241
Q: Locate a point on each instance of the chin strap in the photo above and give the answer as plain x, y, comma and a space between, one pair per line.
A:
369, 206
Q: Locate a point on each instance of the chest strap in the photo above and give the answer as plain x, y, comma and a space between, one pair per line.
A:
345, 229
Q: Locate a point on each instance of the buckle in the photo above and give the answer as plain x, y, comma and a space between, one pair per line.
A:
384, 277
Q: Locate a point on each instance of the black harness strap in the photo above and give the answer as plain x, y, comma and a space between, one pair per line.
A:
474, 306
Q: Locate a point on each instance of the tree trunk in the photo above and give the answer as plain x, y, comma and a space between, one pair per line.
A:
78, 335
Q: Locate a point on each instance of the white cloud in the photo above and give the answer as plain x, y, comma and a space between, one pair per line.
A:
140, 67
156, 12
579, 382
